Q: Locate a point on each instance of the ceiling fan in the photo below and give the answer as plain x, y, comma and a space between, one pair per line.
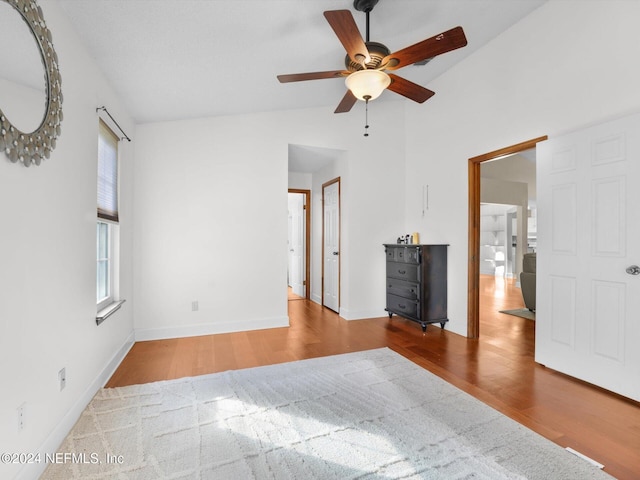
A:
367, 62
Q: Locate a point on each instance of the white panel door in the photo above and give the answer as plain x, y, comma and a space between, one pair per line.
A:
296, 243
588, 305
331, 229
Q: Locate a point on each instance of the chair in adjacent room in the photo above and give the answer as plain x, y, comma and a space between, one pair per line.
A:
528, 281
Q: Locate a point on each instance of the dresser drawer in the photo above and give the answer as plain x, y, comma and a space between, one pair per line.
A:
403, 271
403, 306
403, 289
403, 254
410, 255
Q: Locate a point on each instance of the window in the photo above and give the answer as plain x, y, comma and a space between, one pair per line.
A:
107, 231
104, 276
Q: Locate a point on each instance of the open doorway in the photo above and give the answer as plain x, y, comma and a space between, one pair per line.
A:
475, 194
298, 239
503, 238
508, 196
310, 168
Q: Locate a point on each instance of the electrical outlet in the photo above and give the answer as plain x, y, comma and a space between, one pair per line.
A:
194, 306
21, 416
62, 378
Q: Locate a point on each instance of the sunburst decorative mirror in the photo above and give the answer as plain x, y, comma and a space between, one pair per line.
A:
21, 142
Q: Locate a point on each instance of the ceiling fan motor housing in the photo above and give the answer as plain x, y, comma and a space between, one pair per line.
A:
364, 5
377, 52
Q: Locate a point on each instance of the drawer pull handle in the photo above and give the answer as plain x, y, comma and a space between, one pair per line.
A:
404, 307
402, 272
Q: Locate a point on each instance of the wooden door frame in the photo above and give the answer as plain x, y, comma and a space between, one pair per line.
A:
473, 290
307, 239
324, 185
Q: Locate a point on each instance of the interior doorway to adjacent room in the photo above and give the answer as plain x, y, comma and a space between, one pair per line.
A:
478, 287
508, 198
298, 243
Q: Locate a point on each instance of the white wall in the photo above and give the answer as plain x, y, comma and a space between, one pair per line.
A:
564, 66
211, 216
26, 114
514, 168
494, 190
300, 181
48, 267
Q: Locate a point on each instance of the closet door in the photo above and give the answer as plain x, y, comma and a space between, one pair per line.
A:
331, 245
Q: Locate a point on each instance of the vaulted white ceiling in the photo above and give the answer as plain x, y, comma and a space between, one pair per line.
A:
178, 59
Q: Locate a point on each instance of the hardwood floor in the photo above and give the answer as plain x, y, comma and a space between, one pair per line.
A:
498, 369
293, 296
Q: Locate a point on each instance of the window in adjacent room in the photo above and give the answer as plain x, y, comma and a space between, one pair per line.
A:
107, 232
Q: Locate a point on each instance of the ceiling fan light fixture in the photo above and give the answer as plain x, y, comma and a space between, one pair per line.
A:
367, 84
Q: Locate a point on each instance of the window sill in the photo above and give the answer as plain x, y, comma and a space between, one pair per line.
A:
108, 311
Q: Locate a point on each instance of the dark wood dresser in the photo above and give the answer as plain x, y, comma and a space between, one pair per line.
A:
417, 283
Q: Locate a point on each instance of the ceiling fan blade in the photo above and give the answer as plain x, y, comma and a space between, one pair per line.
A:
347, 31
408, 89
346, 103
429, 48
300, 77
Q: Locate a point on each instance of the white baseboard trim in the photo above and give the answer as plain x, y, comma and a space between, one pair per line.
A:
584, 457
64, 426
164, 333
316, 298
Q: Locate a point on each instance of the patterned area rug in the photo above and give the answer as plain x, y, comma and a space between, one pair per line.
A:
521, 312
362, 415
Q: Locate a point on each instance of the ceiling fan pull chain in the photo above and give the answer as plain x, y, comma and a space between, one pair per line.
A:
366, 115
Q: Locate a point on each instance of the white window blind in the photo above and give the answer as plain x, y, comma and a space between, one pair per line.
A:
107, 174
